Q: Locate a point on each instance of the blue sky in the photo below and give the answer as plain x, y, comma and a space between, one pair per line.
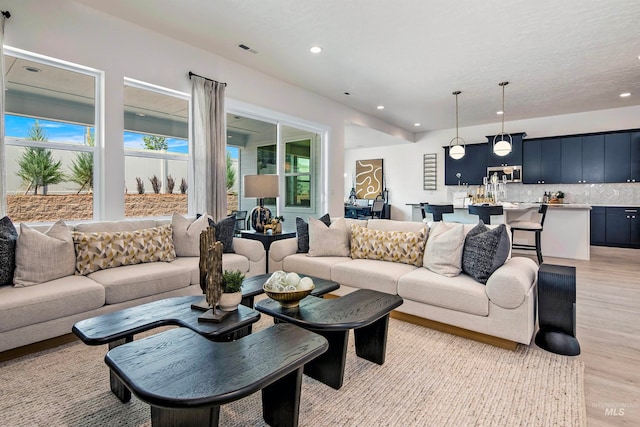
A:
18, 127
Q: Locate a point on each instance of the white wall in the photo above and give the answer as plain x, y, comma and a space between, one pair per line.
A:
403, 162
73, 32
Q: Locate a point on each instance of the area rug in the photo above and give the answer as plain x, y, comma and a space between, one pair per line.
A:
429, 379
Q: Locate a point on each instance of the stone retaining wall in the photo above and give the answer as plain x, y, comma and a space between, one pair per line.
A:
38, 208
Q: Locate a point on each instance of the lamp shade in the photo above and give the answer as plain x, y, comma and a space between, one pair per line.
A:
261, 186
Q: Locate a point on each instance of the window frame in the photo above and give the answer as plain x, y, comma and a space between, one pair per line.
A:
98, 125
320, 144
160, 155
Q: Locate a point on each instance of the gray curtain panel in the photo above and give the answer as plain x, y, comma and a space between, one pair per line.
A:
209, 145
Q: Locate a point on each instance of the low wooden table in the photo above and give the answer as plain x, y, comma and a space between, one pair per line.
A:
185, 378
119, 327
252, 286
365, 311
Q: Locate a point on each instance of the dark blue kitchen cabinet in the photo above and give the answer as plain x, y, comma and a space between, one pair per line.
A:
542, 161
512, 159
472, 167
623, 227
571, 155
593, 159
635, 157
598, 225
583, 159
617, 157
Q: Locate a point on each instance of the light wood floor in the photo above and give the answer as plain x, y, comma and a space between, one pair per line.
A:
608, 329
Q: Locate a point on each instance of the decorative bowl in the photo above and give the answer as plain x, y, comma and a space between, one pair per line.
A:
288, 299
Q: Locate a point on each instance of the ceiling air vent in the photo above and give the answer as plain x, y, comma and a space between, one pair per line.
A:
247, 48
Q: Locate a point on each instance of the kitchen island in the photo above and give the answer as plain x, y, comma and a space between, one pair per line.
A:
566, 231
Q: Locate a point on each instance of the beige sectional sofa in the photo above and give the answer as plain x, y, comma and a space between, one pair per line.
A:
503, 308
41, 311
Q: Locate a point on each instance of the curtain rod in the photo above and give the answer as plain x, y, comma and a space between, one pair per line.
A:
198, 75
6, 14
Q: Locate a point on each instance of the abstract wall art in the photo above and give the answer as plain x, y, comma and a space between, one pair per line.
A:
369, 178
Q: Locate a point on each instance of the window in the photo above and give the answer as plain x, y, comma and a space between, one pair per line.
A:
156, 150
297, 169
51, 148
291, 151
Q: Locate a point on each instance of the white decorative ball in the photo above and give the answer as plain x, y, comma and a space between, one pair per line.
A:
292, 279
305, 284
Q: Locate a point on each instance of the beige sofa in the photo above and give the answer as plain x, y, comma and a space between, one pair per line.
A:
35, 313
502, 312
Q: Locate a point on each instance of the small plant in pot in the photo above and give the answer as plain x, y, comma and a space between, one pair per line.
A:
231, 290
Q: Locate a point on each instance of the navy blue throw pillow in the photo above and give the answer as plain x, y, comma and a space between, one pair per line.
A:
224, 232
485, 250
8, 239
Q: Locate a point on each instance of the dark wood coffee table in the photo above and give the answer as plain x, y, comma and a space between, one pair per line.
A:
365, 311
185, 378
252, 286
119, 327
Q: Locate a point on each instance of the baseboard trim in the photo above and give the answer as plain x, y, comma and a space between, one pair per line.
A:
36, 347
454, 330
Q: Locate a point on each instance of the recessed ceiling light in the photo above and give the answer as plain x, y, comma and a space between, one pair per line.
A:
140, 114
499, 113
625, 95
416, 124
315, 49
380, 107
32, 69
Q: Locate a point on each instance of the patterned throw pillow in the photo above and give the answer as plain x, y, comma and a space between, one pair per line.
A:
328, 241
395, 246
485, 250
8, 238
41, 257
302, 230
102, 250
186, 234
224, 232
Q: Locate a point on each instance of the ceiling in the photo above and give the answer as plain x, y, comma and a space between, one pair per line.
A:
560, 57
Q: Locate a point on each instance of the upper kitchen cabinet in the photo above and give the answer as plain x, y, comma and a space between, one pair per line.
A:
582, 159
512, 159
542, 161
635, 157
472, 167
617, 157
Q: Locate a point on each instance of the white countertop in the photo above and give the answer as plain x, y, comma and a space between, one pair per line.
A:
525, 206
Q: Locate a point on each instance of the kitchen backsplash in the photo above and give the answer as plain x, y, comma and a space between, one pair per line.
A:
627, 194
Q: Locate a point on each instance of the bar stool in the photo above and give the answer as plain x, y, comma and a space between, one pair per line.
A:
530, 226
436, 210
484, 212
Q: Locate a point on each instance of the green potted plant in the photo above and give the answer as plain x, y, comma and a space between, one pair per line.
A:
231, 290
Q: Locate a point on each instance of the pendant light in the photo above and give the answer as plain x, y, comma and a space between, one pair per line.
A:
502, 142
457, 150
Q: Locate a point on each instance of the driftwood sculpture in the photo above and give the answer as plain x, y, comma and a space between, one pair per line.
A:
211, 274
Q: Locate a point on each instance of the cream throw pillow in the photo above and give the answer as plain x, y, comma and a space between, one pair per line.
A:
41, 257
186, 234
328, 241
443, 253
